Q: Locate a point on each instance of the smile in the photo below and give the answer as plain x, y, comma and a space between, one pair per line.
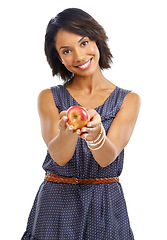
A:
85, 65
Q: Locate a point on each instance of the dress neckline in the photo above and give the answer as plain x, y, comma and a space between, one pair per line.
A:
95, 107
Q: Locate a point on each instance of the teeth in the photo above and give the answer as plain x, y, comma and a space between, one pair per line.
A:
85, 65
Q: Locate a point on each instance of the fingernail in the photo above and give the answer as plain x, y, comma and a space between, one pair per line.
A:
89, 125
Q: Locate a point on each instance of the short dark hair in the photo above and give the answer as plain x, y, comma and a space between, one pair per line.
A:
76, 21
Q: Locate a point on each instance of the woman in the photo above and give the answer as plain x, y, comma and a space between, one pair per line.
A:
81, 197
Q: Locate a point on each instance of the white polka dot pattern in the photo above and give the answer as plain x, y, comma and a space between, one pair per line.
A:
81, 212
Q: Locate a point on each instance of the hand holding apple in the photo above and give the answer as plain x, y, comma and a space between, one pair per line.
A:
65, 128
78, 117
93, 128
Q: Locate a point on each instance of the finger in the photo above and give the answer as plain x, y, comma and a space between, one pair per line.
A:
78, 131
84, 129
92, 112
94, 123
84, 136
95, 118
63, 113
92, 133
62, 122
64, 119
85, 132
67, 124
70, 128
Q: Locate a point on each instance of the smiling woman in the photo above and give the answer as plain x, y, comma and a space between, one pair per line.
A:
77, 53
81, 198
78, 22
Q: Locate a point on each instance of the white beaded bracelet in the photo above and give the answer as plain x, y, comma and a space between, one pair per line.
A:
93, 149
101, 140
95, 144
89, 142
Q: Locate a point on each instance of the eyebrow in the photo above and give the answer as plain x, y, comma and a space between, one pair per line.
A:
69, 46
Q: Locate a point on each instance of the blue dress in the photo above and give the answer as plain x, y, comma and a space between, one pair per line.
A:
82, 211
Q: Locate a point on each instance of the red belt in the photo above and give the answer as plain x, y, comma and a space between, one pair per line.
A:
59, 179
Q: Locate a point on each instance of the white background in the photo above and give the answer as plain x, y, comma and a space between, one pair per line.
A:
137, 33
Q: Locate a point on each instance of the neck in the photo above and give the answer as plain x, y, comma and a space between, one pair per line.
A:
88, 83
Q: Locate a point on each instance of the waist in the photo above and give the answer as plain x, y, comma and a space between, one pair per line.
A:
72, 180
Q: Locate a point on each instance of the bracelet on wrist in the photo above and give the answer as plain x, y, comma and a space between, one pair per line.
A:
102, 140
101, 131
94, 149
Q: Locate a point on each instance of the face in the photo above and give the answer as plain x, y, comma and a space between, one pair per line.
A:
79, 54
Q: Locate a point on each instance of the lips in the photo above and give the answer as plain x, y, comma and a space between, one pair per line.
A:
85, 65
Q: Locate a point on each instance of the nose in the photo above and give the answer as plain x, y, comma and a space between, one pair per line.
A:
79, 55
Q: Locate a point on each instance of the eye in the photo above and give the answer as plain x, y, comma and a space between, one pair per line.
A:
84, 43
66, 52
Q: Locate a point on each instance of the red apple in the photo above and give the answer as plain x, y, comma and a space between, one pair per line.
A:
78, 117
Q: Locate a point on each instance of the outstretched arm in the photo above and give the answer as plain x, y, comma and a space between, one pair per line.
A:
59, 137
119, 132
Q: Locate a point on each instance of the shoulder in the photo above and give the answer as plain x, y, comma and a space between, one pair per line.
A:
132, 98
46, 101
131, 103
45, 93
48, 94
44, 96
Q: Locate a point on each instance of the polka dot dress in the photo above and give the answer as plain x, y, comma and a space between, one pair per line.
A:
81, 212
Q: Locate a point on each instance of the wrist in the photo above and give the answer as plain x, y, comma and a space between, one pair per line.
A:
97, 137
99, 141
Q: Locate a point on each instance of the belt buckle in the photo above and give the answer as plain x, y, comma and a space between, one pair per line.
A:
76, 180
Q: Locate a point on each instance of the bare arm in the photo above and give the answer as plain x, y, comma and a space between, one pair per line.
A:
59, 137
119, 132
